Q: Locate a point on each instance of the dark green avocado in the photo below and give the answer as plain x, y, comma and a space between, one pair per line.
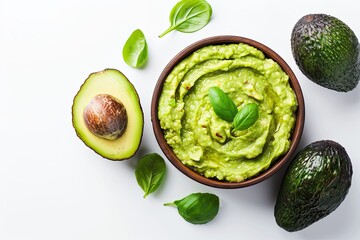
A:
326, 50
314, 185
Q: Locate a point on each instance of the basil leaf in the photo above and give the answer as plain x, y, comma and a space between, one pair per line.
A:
135, 51
246, 117
223, 106
150, 172
189, 16
197, 208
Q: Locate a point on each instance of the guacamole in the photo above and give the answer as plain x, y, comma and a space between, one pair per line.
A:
210, 145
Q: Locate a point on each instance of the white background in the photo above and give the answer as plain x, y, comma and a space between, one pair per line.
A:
53, 187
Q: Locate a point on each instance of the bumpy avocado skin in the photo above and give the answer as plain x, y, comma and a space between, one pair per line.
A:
314, 185
326, 50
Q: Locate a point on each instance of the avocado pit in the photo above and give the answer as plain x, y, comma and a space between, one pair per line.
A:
106, 117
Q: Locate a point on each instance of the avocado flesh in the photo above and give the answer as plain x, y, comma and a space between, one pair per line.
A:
314, 185
114, 83
326, 51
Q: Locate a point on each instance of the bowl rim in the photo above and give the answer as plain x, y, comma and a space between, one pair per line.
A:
295, 136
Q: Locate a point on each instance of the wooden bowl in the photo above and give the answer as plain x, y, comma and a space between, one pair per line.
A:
296, 134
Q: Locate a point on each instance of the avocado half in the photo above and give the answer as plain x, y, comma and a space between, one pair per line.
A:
107, 115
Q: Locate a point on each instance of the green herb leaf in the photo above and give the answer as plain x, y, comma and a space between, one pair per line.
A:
197, 208
223, 106
189, 16
150, 172
135, 51
246, 117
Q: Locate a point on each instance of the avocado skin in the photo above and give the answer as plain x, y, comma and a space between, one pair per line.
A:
314, 185
326, 50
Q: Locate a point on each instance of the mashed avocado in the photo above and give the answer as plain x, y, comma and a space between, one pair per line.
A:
210, 145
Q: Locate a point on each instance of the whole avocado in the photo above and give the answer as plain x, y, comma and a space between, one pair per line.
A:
314, 185
326, 50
